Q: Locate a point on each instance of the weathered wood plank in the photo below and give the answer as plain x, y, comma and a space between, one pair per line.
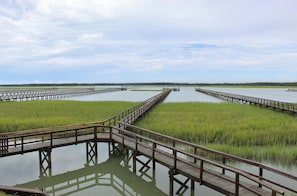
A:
230, 97
192, 171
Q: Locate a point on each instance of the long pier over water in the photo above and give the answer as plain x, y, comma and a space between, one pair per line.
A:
211, 168
49, 93
230, 97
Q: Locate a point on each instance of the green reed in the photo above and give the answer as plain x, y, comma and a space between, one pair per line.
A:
15, 116
233, 128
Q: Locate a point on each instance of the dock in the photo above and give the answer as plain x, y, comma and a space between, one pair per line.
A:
230, 97
196, 163
49, 93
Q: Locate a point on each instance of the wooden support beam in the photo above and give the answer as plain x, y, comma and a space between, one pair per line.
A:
92, 153
45, 163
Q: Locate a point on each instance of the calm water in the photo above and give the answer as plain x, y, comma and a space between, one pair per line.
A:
188, 94
277, 94
113, 175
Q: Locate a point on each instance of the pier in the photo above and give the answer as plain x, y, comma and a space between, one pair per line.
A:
198, 164
229, 97
49, 93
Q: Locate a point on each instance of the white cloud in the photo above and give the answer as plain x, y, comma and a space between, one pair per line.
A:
148, 36
93, 36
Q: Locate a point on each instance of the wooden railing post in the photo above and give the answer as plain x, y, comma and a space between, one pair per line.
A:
15, 142
224, 162
76, 135
136, 144
260, 175
201, 172
153, 151
95, 132
22, 144
51, 139
174, 155
195, 152
237, 184
110, 133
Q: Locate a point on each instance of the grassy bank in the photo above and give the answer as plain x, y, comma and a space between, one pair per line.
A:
244, 130
15, 116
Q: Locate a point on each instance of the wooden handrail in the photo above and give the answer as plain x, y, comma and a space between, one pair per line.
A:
226, 156
141, 136
116, 118
290, 107
175, 150
139, 139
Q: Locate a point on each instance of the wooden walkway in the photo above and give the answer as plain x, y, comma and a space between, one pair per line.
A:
208, 167
278, 105
219, 176
48, 93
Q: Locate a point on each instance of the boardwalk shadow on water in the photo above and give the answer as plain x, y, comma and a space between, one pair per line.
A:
75, 171
112, 176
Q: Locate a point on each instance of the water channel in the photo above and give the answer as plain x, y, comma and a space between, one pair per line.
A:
112, 175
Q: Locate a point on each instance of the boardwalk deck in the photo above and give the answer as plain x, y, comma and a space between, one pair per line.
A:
49, 93
211, 178
176, 159
230, 97
215, 180
179, 156
55, 143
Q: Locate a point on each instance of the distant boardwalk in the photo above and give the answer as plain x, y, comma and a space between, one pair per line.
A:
211, 168
292, 89
49, 93
278, 105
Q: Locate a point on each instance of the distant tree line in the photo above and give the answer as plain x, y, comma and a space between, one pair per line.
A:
157, 84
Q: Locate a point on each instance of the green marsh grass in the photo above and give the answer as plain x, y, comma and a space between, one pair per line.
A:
16, 116
244, 130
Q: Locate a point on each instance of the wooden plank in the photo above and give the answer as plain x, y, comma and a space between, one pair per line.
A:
283, 106
212, 179
101, 137
216, 181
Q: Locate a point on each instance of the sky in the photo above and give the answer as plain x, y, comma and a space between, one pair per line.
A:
122, 41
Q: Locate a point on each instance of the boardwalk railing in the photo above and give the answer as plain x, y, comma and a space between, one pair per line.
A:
211, 168
197, 153
19, 138
284, 106
48, 93
180, 156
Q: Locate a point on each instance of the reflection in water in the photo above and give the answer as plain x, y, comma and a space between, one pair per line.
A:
112, 176
109, 173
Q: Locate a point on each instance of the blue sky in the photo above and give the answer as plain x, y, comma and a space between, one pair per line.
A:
58, 41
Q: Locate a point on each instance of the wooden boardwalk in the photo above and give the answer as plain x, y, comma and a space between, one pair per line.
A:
278, 105
205, 170
48, 93
208, 167
217, 175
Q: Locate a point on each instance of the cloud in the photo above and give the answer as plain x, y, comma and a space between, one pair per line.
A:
146, 37
90, 37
